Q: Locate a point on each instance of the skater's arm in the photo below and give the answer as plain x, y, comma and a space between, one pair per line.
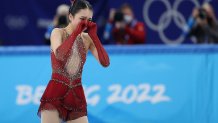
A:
62, 50
96, 47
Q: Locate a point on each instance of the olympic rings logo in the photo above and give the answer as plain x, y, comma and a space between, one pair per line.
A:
171, 14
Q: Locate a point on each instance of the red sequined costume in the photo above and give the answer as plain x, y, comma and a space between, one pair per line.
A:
64, 91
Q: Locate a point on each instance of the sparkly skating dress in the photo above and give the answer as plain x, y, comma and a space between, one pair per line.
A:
64, 91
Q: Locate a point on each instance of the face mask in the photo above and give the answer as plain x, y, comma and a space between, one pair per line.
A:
128, 18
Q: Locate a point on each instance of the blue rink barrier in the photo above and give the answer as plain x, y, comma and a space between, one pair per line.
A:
144, 84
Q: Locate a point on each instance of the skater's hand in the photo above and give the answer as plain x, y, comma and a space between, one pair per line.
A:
81, 27
92, 27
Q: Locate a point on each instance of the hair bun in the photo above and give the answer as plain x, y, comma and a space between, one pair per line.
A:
72, 1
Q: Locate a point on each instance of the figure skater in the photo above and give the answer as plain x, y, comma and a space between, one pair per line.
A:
63, 99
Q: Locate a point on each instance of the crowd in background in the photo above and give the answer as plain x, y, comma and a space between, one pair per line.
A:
123, 27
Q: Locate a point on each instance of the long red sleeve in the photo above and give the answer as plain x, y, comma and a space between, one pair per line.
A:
64, 49
102, 54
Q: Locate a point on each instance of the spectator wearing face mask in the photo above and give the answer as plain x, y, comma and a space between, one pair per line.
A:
125, 29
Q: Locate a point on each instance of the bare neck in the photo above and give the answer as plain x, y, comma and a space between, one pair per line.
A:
70, 29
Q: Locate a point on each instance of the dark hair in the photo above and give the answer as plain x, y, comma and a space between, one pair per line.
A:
77, 5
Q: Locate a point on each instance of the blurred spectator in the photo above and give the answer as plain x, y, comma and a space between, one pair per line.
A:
205, 25
60, 20
125, 29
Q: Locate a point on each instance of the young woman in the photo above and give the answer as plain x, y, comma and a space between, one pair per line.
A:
64, 98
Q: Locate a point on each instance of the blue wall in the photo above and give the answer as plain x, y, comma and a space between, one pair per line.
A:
153, 84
